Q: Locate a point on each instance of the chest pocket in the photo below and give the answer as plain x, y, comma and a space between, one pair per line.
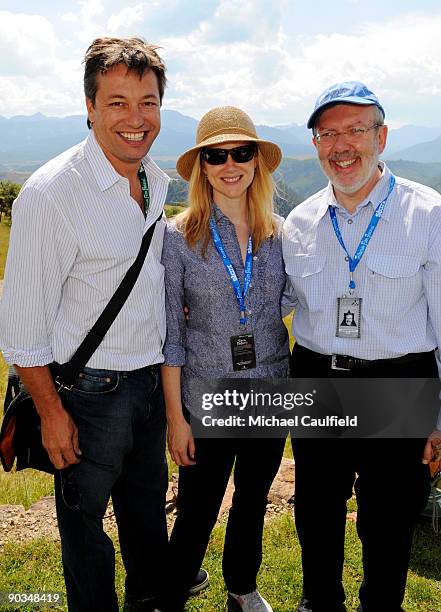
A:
395, 266
306, 273
394, 282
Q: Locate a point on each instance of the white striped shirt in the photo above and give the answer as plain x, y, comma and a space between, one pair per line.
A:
75, 232
398, 277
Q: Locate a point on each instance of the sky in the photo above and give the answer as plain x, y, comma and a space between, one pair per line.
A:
271, 58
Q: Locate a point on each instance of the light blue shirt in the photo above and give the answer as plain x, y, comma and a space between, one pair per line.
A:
398, 278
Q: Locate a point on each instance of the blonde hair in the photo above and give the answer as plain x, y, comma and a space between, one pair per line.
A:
194, 222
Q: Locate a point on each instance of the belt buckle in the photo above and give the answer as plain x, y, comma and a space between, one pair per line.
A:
336, 363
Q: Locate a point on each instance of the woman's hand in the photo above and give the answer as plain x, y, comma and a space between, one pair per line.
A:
179, 437
181, 443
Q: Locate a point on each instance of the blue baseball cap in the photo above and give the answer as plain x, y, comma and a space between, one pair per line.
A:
349, 92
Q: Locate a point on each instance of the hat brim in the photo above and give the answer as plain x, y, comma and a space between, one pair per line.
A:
349, 100
270, 152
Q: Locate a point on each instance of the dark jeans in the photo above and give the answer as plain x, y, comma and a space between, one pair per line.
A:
392, 488
201, 490
121, 421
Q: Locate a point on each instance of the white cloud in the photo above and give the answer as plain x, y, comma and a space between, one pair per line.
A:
276, 76
244, 53
89, 19
400, 60
127, 20
28, 44
40, 73
22, 95
69, 18
243, 20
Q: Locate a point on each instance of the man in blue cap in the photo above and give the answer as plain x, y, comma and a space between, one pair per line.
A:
368, 243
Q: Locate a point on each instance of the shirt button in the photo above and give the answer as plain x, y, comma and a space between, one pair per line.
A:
255, 257
346, 258
350, 221
249, 312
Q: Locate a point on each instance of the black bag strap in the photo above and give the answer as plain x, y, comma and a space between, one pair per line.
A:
91, 342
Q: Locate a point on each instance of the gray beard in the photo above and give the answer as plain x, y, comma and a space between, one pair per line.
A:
350, 189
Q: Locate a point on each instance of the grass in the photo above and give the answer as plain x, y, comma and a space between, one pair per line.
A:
5, 229
36, 566
173, 209
25, 487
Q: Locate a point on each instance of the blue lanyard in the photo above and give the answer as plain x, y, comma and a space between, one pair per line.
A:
240, 295
354, 261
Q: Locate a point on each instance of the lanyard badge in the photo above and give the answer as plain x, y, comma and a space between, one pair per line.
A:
144, 188
349, 305
242, 346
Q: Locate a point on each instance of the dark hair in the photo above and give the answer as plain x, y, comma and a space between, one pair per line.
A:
135, 53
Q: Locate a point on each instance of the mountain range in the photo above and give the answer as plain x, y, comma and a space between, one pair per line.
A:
28, 141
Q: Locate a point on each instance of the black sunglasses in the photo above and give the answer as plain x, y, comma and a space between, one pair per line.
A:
240, 155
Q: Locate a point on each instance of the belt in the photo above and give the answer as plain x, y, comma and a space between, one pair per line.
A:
348, 363
56, 368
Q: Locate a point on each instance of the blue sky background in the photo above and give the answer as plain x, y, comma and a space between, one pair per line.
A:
270, 57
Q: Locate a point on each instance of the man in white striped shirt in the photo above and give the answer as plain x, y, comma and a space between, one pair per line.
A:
367, 245
77, 227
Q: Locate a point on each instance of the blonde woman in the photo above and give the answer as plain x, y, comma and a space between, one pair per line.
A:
229, 224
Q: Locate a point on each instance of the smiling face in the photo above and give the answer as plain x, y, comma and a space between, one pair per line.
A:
125, 116
231, 180
351, 166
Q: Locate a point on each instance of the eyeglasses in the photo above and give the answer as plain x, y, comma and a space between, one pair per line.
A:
354, 134
240, 155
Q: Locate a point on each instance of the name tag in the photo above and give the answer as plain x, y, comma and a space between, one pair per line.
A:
348, 317
243, 352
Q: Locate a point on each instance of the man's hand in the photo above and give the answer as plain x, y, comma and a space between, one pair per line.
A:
59, 433
181, 443
432, 452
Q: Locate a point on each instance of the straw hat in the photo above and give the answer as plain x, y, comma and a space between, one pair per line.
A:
226, 124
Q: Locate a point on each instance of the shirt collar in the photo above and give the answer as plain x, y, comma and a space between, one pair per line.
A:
218, 214
105, 174
378, 193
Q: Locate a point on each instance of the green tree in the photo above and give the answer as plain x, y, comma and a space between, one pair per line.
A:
8, 192
286, 199
177, 191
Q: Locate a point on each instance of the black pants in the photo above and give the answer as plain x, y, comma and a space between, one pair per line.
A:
392, 488
201, 490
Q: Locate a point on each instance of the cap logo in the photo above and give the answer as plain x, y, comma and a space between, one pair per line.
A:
340, 93
335, 94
